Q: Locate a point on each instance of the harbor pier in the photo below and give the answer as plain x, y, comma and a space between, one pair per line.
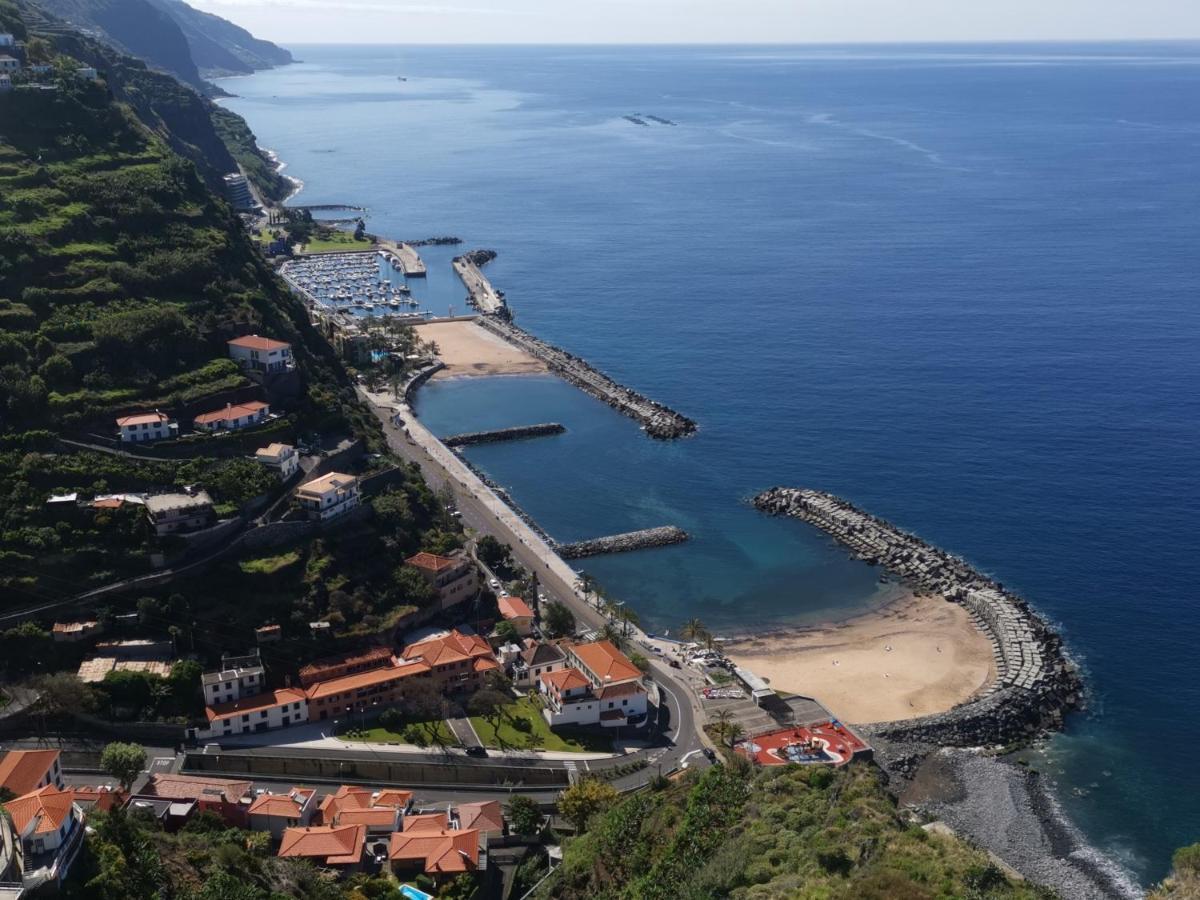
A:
406, 255
480, 293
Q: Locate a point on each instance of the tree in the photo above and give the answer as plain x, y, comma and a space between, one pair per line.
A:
489, 705
693, 630
734, 732
124, 762
557, 620
506, 633
525, 815
492, 553
61, 695
410, 586
584, 799
640, 661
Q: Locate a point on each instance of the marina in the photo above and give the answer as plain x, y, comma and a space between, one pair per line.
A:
358, 284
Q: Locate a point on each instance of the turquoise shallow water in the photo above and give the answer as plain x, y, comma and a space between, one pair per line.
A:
954, 284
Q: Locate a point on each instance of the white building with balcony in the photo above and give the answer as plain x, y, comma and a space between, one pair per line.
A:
144, 427
283, 458
261, 354
329, 496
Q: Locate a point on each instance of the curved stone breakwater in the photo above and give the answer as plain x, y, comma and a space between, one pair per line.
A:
623, 543
520, 432
1036, 682
659, 421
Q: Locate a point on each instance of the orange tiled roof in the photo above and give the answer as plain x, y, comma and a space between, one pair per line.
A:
257, 703
449, 648
484, 816
359, 680
98, 798
255, 342
427, 822
154, 418
230, 412
195, 787
287, 805
439, 852
21, 770
334, 844
432, 562
395, 798
514, 608
384, 816
108, 503
566, 679
623, 689
45, 809
606, 662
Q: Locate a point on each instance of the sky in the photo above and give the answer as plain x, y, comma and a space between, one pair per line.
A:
707, 21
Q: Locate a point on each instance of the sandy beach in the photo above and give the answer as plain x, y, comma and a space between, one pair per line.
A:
467, 349
916, 656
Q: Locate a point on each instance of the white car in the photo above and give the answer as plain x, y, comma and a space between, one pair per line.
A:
494, 583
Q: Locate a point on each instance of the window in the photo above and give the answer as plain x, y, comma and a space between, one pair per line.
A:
246, 718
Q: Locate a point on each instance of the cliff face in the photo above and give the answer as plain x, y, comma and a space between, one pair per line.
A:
220, 47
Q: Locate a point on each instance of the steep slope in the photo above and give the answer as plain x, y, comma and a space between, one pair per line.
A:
220, 47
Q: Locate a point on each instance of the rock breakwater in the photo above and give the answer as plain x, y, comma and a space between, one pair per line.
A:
624, 543
520, 432
659, 421
1035, 684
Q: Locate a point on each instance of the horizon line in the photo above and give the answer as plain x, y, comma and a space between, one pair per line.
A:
947, 42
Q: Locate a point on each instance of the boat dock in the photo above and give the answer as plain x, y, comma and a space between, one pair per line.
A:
623, 543
408, 258
520, 432
480, 293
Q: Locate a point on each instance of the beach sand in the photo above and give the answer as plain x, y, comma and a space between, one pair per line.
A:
937, 659
468, 349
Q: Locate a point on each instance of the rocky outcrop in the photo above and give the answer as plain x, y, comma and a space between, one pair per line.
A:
446, 241
1036, 682
659, 421
503, 434
479, 257
623, 543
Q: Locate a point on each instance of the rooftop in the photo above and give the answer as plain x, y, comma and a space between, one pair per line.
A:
486, 815
431, 562
153, 418
256, 703
320, 486
231, 411
566, 679
449, 648
168, 786
542, 654
44, 809
441, 851
514, 608
288, 806
257, 342
160, 503
360, 680
274, 451
334, 844
21, 770
208, 678
606, 662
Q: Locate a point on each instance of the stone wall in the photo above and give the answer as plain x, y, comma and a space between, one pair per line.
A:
1036, 682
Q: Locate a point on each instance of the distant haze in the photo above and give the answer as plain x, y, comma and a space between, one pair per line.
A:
707, 21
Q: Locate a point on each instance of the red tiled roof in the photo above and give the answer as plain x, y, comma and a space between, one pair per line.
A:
566, 679
319, 689
623, 689
230, 412
427, 822
334, 844
334, 664
108, 503
432, 562
46, 809
514, 608
255, 342
449, 648
393, 797
384, 816
195, 787
484, 816
98, 798
606, 662
253, 704
21, 770
287, 805
154, 418
439, 852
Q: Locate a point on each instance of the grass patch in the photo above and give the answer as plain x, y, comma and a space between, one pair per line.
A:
336, 242
511, 735
269, 565
381, 735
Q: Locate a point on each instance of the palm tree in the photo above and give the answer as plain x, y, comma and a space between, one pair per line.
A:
733, 732
693, 629
723, 719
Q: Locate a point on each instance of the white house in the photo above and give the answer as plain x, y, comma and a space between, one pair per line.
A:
278, 812
569, 699
9, 64
232, 684
283, 458
172, 513
7, 40
261, 712
41, 69
517, 613
536, 661
600, 686
49, 825
87, 73
143, 427
25, 771
261, 354
329, 496
233, 417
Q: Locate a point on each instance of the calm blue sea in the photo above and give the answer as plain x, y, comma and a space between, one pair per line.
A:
958, 285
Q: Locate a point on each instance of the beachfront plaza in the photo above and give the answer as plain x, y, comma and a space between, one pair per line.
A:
821, 743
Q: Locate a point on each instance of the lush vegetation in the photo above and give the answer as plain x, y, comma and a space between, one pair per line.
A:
259, 167
790, 832
521, 725
1184, 880
334, 241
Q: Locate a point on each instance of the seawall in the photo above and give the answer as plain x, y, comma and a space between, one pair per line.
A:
1036, 683
624, 543
517, 433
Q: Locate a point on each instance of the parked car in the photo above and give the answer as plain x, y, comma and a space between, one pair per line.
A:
477, 751
675, 664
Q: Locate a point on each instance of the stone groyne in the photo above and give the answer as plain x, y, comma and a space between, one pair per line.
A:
623, 543
480, 293
658, 421
520, 432
1035, 684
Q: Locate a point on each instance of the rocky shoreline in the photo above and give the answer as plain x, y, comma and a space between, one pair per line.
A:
1036, 683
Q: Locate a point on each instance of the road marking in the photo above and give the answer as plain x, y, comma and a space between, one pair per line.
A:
572, 771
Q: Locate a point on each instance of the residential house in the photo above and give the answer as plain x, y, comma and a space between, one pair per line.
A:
260, 354
9, 65
537, 660
276, 813
517, 613
328, 496
26, 771
74, 632
145, 427
86, 73
441, 854
233, 683
599, 686
361, 692
174, 513
49, 825
268, 634
233, 417
328, 846
486, 817
7, 40
260, 712
454, 577
97, 797
349, 801
41, 70
351, 663
228, 798
283, 458
457, 661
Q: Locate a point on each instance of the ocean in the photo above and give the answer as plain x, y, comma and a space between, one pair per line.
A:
958, 285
